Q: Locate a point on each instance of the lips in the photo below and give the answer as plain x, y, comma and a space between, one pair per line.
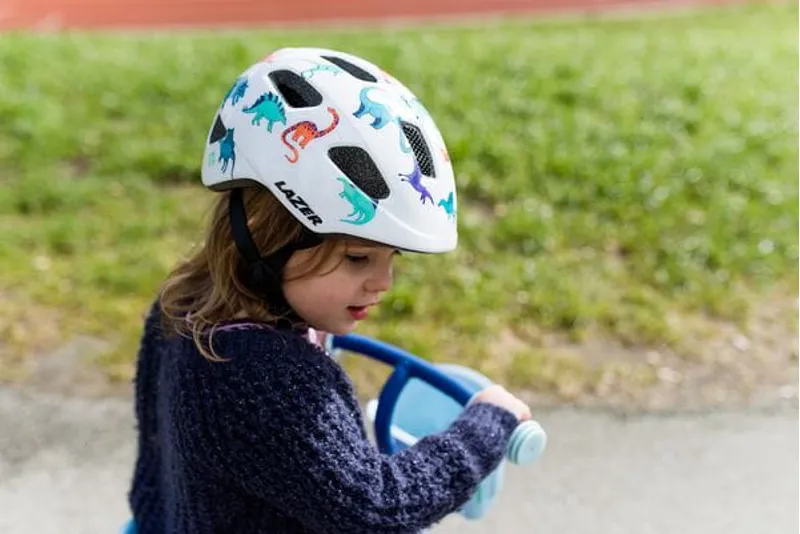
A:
359, 313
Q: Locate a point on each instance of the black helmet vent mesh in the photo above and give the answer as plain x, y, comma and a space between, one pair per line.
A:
296, 91
421, 151
358, 166
350, 68
218, 131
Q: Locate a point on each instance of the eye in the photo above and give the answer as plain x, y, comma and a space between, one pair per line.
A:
356, 258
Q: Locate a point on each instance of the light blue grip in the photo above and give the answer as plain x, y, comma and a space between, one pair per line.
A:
527, 443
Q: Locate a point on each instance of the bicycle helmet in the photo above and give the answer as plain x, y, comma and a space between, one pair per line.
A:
344, 146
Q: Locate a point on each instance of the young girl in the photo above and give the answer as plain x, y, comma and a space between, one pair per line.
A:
327, 168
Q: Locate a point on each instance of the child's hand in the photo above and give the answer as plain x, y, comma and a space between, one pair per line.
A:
498, 396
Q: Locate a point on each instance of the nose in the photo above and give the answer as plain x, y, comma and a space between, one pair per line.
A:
380, 280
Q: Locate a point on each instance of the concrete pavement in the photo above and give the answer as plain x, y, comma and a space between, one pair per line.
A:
65, 464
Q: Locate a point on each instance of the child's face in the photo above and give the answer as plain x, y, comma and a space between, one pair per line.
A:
351, 281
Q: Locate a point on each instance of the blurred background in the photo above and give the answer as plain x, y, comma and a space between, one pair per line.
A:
628, 260
93, 14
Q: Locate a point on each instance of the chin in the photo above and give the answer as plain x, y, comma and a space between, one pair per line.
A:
341, 329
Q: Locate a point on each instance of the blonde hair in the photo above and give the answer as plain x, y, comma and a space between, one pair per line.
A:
206, 288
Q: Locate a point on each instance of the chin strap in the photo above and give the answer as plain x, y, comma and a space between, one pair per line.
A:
264, 274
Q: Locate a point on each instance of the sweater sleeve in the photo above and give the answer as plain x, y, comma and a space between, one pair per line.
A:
285, 428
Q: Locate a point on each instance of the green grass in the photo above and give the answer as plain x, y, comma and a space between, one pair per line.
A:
612, 174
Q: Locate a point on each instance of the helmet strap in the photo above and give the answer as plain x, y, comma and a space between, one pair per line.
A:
263, 275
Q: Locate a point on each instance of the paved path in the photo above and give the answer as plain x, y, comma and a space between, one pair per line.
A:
65, 465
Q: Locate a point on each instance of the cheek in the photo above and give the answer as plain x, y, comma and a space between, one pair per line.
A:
322, 292
293, 292
312, 293
344, 288
336, 285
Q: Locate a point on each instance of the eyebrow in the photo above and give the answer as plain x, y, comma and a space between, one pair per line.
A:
364, 244
369, 246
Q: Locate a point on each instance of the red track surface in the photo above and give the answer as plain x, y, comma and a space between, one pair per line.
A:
69, 14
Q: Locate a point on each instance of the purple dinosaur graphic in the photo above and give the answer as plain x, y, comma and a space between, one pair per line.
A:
415, 179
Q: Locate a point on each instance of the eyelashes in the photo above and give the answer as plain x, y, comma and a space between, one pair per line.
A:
356, 259
363, 259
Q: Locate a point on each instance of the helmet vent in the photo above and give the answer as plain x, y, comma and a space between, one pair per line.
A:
421, 151
296, 91
218, 131
350, 68
358, 166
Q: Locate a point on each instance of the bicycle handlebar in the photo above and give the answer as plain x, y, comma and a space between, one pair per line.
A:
527, 441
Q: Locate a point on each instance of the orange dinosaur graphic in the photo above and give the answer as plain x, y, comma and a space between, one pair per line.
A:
305, 132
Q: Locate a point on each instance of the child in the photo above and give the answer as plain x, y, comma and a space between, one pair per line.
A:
327, 168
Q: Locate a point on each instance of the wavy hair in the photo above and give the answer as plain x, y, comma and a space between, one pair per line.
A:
206, 289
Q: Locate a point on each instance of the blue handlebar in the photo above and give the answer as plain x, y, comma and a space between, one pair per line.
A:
527, 442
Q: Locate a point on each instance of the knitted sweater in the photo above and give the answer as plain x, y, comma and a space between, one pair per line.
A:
272, 441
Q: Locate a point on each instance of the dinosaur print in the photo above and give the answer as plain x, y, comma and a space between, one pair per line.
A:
267, 106
363, 206
237, 91
310, 72
449, 206
415, 179
227, 151
305, 132
380, 114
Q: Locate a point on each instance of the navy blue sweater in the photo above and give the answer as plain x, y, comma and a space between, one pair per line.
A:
273, 441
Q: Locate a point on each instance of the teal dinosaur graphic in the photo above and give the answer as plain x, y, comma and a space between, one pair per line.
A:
310, 72
237, 91
449, 206
227, 151
380, 114
267, 106
363, 206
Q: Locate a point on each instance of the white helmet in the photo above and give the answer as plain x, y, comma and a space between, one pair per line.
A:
343, 145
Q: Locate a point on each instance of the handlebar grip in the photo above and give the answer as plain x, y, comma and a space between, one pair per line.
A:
527, 443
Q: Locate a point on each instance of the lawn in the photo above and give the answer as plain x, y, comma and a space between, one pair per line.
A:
618, 178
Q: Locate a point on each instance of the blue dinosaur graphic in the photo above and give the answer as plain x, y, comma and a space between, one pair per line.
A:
363, 206
381, 115
267, 106
227, 151
310, 72
237, 91
415, 179
449, 206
